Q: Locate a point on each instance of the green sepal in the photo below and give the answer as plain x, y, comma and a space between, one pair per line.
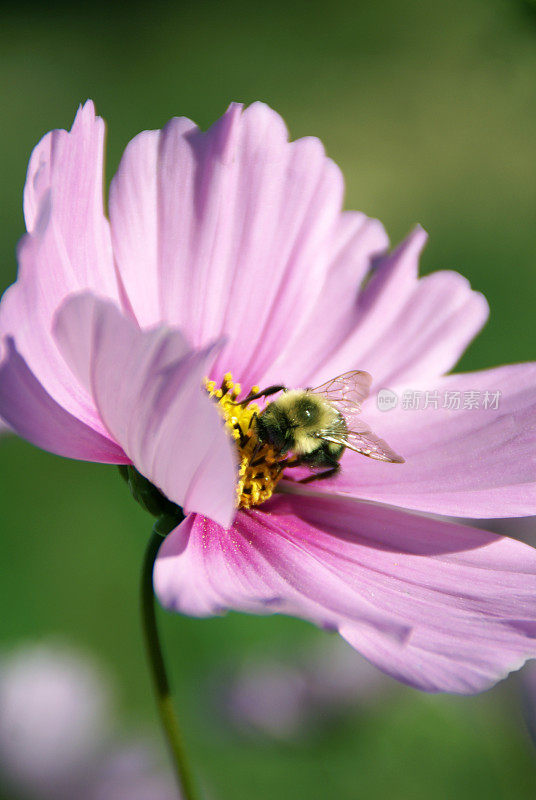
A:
152, 500
166, 523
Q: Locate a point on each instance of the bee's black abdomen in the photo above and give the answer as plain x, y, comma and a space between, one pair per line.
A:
327, 455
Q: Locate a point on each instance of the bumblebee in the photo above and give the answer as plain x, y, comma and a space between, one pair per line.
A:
316, 425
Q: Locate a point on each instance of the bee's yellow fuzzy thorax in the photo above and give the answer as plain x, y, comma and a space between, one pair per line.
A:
260, 465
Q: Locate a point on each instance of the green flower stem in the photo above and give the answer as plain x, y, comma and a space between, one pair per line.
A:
164, 700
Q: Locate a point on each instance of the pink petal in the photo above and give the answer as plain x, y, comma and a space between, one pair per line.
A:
67, 248
233, 231
203, 569
466, 463
146, 386
356, 242
34, 415
400, 328
440, 606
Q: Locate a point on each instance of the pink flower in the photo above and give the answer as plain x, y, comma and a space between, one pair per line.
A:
296, 697
57, 737
132, 770
228, 251
54, 714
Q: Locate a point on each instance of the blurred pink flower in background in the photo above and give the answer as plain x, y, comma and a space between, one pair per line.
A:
54, 711
132, 771
228, 251
294, 698
57, 732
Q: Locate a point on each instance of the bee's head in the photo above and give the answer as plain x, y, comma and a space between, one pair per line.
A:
274, 427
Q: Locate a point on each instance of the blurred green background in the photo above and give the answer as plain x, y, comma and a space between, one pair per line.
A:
430, 110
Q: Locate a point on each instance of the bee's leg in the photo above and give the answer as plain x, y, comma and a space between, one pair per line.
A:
320, 476
257, 446
264, 393
243, 437
252, 421
294, 461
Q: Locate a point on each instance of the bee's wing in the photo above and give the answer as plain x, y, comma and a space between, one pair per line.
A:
346, 391
363, 441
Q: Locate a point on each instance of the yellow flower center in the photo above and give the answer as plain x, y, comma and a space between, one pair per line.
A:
260, 465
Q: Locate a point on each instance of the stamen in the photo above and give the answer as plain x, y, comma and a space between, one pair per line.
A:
260, 465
